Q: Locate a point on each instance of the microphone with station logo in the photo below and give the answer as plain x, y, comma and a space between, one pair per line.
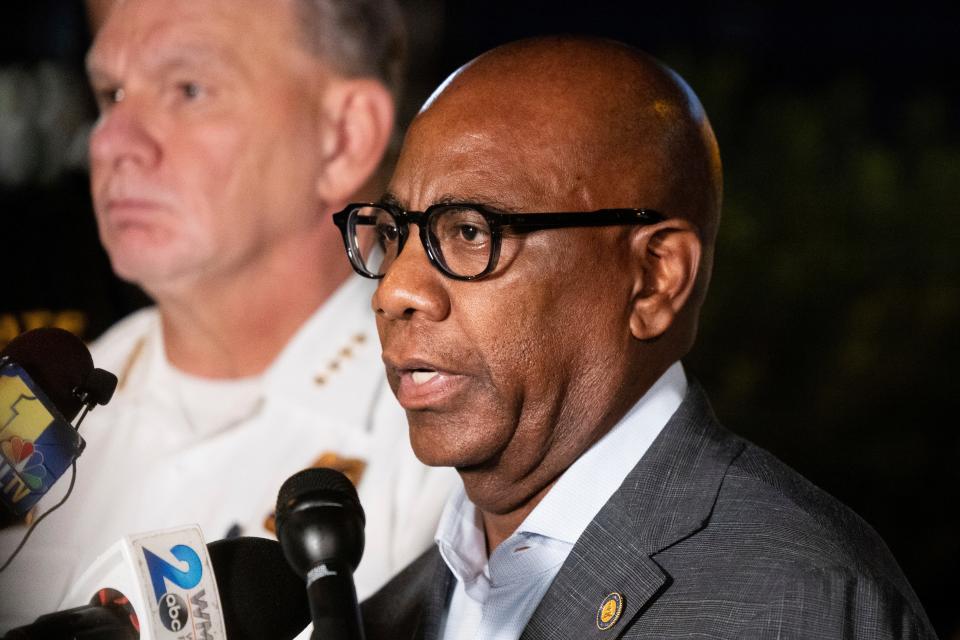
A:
169, 585
320, 527
46, 377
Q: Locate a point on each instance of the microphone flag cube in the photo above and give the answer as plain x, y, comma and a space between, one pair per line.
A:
37, 444
167, 579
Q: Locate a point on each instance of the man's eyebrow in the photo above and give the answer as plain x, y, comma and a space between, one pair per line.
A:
196, 55
188, 55
390, 199
449, 198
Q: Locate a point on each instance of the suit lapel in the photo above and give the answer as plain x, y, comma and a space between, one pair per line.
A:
411, 606
603, 561
436, 601
668, 496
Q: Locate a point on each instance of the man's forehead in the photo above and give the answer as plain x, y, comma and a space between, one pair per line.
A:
463, 167
510, 115
577, 124
524, 157
417, 185
145, 31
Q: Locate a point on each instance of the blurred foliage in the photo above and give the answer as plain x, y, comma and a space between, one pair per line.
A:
831, 332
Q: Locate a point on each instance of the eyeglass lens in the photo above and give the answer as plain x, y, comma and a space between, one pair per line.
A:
459, 236
376, 238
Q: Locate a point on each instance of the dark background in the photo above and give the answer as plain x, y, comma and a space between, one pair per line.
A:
831, 332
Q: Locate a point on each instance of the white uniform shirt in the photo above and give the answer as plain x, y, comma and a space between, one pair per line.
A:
156, 459
494, 598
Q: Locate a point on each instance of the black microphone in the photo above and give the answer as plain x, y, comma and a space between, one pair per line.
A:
107, 621
58, 362
46, 377
320, 527
260, 597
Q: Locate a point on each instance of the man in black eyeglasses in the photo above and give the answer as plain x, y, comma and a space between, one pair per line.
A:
543, 253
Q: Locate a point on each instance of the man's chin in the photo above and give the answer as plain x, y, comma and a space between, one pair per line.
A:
432, 457
464, 436
151, 275
140, 253
435, 452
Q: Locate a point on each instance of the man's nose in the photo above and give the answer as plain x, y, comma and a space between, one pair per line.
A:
122, 135
412, 286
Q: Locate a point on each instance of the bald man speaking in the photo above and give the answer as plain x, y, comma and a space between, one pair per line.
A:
543, 253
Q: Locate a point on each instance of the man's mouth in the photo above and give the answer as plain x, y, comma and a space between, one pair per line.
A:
421, 376
421, 385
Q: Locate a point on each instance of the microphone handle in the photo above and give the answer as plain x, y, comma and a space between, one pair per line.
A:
333, 602
9, 519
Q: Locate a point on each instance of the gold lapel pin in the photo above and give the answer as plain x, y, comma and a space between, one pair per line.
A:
609, 611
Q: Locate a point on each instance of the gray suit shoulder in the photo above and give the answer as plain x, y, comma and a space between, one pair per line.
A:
817, 554
763, 497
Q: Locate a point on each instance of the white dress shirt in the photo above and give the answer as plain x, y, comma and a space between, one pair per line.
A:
161, 454
494, 598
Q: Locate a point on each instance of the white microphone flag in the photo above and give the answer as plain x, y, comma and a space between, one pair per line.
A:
168, 580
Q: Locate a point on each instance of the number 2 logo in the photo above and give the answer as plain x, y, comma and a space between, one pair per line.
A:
183, 578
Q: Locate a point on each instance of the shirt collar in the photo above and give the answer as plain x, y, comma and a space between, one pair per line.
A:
325, 369
342, 316
460, 537
579, 493
594, 477
332, 358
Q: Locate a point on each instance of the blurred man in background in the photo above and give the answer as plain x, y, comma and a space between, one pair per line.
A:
229, 131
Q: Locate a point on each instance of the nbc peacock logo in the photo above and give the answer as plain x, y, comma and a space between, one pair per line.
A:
25, 460
36, 445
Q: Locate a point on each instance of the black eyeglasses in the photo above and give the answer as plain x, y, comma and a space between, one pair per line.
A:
461, 239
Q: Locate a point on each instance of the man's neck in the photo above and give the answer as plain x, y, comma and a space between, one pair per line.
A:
499, 527
237, 327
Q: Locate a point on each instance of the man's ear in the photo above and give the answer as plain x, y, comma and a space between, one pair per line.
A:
358, 115
666, 259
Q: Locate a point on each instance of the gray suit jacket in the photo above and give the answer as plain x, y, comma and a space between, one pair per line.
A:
708, 537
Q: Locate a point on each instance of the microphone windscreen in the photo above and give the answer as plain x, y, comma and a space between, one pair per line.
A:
328, 483
261, 597
58, 362
100, 385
